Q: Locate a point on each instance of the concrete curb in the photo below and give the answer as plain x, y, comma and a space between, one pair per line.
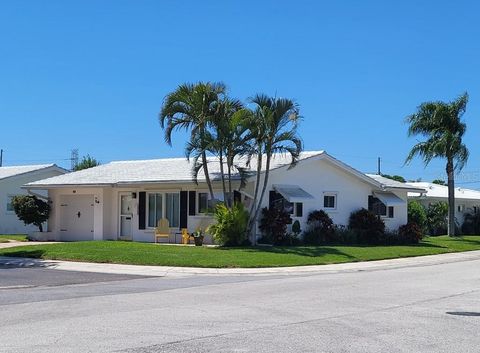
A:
161, 271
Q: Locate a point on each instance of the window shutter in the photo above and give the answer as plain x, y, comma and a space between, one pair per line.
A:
192, 202
299, 210
237, 197
183, 209
142, 203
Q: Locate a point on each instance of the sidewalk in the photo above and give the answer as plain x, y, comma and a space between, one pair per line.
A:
161, 271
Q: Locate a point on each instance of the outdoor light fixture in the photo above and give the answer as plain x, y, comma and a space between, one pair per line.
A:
134, 195
96, 200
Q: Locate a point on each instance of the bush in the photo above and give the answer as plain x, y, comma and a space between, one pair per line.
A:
417, 214
369, 228
344, 235
437, 218
320, 228
230, 228
471, 223
410, 233
31, 210
273, 226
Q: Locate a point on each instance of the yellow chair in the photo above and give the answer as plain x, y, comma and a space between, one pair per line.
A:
162, 230
185, 236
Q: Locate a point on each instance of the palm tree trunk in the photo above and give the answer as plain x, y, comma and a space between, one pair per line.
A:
229, 171
207, 175
264, 187
251, 222
451, 197
224, 189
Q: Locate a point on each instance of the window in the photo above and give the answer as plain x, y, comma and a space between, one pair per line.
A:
330, 201
155, 207
9, 204
172, 209
390, 212
164, 206
461, 208
376, 206
202, 202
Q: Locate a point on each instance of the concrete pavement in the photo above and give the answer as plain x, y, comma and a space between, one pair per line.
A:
429, 307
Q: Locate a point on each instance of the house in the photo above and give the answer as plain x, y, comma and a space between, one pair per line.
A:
125, 200
466, 200
11, 181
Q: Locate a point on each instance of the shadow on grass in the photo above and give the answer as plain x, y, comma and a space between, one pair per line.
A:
306, 251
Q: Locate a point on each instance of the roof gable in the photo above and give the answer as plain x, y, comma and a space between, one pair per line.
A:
14, 171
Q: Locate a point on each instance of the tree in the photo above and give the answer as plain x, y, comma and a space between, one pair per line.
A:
439, 182
192, 107
31, 210
441, 124
273, 129
417, 214
86, 162
395, 177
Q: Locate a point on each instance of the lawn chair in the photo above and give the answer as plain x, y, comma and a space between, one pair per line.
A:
186, 236
162, 230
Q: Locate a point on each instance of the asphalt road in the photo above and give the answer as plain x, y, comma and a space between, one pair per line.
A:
411, 309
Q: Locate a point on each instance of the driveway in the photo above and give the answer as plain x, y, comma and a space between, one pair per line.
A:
420, 308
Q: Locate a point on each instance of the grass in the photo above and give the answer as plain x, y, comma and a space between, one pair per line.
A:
165, 255
4, 238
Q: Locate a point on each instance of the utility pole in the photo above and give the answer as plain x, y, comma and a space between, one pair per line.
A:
1, 158
74, 159
378, 164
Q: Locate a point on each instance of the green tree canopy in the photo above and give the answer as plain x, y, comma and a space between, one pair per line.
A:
86, 162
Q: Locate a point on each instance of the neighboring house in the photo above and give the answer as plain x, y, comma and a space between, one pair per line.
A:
11, 181
125, 200
466, 200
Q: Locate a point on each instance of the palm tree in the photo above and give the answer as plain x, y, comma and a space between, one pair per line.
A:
273, 126
192, 107
231, 140
440, 123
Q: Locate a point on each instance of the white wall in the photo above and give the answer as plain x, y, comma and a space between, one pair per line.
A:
321, 176
9, 222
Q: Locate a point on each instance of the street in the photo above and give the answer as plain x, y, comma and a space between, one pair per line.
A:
428, 308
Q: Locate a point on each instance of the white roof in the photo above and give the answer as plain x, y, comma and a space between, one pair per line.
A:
152, 171
7, 172
441, 191
390, 183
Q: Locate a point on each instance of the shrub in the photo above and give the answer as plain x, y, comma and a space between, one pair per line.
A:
320, 228
417, 214
410, 233
273, 226
296, 228
345, 235
471, 223
230, 228
437, 218
31, 210
370, 229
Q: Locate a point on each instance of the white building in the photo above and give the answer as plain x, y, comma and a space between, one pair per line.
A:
124, 200
466, 200
11, 181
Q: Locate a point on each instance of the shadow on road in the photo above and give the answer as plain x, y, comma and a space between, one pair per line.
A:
463, 313
17, 261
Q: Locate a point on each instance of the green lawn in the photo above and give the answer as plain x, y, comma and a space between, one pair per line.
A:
4, 238
155, 254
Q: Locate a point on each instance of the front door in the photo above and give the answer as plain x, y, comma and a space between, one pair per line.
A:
77, 213
126, 215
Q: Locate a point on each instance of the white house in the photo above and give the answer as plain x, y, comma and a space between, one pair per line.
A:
124, 200
11, 181
466, 200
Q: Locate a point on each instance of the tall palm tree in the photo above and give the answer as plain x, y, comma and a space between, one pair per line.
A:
192, 107
274, 130
231, 140
442, 126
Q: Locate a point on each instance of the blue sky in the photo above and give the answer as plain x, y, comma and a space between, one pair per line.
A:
92, 74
